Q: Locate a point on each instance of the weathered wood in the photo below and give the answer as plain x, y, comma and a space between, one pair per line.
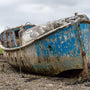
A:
51, 48
84, 74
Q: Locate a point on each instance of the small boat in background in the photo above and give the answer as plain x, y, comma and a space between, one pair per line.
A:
50, 48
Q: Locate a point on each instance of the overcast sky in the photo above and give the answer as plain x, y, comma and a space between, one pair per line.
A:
18, 12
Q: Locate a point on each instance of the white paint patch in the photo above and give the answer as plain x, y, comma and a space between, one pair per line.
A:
65, 37
29, 35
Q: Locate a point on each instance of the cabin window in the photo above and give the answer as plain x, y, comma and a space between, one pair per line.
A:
7, 33
15, 59
17, 33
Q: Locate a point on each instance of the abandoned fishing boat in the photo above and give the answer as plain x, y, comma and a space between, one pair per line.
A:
50, 48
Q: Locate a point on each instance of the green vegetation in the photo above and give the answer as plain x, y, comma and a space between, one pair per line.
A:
1, 51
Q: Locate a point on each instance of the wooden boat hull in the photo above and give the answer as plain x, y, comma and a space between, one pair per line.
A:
50, 55
52, 48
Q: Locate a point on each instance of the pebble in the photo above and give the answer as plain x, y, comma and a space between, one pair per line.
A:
10, 79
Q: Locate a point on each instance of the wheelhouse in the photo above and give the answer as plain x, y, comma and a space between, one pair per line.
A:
10, 37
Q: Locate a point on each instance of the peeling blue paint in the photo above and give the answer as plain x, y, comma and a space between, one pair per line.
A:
28, 27
85, 30
11, 38
60, 46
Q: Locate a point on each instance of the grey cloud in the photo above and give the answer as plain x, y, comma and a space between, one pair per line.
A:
53, 2
11, 16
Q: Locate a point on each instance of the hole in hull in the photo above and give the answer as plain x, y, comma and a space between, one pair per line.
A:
70, 73
50, 47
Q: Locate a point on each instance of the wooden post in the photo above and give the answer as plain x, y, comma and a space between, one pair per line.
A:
84, 74
75, 13
85, 66
2, 68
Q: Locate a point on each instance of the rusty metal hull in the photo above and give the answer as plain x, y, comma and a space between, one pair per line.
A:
51, 55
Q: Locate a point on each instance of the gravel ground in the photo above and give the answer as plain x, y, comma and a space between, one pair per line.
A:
10, 79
